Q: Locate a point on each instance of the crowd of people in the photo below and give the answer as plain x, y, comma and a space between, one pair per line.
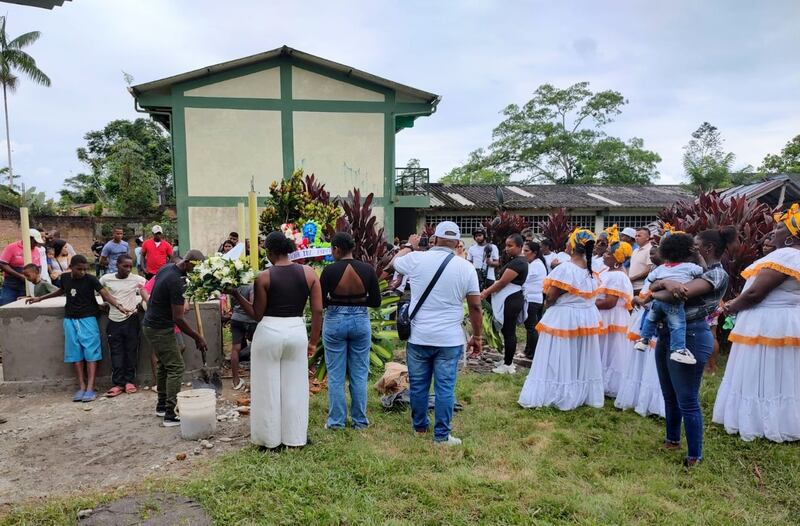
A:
624, 314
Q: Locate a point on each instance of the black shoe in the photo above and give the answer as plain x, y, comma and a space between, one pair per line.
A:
171, 420
161, 410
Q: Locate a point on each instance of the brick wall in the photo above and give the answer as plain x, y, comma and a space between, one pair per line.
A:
79, 231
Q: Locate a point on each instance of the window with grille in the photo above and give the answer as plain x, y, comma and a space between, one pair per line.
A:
534, 222
467, 224
629, 221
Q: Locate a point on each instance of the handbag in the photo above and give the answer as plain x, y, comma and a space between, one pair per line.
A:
404, 318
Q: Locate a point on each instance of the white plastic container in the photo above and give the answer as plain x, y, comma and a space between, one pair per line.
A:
198, 411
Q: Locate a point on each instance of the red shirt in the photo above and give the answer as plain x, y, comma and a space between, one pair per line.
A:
154, 256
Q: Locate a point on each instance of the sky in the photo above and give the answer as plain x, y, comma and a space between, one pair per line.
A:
732, 63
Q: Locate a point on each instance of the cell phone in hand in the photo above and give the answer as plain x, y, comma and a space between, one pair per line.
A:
423, 242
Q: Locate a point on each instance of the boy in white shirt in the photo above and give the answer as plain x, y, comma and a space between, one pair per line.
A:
123, 327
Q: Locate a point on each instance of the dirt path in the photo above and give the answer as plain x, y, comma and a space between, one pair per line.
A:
51, 445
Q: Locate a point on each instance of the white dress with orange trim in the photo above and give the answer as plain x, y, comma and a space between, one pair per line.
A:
566, 371
640, 388
760, 392
614, 337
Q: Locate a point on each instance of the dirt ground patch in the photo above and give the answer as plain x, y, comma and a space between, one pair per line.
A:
53, 446
158, 509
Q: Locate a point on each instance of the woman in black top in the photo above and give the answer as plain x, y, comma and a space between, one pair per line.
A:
508, 300
349, 287
279, 351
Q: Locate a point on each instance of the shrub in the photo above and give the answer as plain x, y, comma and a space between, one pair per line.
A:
360, 221
557, 228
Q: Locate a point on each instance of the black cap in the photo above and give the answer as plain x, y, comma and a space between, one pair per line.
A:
478, 231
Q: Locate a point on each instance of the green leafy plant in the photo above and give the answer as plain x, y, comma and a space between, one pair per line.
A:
753, 221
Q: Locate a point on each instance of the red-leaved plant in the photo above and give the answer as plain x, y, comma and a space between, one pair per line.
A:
360, 221
753, 221
503, 225
557, 228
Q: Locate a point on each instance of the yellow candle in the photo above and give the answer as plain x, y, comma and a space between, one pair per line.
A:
253, 216
26, 240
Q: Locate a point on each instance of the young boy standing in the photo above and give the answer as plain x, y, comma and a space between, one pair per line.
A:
81, 331
123, 327
40, 286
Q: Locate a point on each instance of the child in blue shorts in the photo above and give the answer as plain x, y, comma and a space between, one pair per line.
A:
81, 331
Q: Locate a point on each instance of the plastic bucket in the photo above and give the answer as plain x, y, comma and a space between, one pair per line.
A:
198, 411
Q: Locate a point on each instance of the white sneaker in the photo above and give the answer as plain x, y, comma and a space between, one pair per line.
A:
641, 345
684, 356
505, 369
451, 441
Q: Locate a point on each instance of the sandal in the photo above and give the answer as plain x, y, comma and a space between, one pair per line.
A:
114, 391
130, 388
238, 385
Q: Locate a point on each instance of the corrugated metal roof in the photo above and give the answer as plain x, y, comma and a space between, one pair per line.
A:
163, 85
521, 197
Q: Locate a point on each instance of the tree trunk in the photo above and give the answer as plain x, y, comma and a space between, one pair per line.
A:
8, 140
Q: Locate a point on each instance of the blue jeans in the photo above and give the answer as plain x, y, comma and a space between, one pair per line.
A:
10, 294
680, 385
675, 317
347, 337
441, 363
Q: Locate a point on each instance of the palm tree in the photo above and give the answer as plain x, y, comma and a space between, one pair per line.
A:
12, 59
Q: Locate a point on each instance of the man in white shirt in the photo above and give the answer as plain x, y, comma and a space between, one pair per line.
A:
485, 257
640, 260
548, 253
437, 337
123, 326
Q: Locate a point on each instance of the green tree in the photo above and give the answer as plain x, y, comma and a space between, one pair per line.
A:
473, 172
129, 181
557, 137
12, 60
37, 202
707, 165
787, 162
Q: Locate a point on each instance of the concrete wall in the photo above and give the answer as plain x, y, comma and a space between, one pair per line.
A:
32, 348
313, 86
225, 148
260, 85
344, 150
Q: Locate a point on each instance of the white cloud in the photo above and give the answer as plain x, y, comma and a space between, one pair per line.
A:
679, 63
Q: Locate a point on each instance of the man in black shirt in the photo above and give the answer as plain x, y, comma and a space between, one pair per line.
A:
97, 247
81, 331
164, 312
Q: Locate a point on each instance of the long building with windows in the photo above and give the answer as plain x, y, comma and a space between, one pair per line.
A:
593, 207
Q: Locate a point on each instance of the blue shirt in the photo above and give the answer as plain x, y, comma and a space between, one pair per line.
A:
112, 251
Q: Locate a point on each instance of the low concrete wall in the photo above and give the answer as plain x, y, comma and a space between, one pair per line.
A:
32, 348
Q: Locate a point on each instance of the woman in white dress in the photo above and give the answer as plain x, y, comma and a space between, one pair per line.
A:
281, 346
760, 392
640, 388
566, 371
614, 302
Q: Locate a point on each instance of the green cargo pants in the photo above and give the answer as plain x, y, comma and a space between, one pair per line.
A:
169, 374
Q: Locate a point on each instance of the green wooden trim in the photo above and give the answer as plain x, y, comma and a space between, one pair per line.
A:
341, 77
412, 201
287, 120
323, 106
340, 106
403, 121
419, 108
233, 103
232, 201
150, 100
388, 169
179, 170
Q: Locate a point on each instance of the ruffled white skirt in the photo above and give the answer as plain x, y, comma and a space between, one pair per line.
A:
640, 388
566, 371
760, 393
613, 346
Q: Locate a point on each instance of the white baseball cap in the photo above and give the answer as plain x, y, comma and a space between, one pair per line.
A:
630, 232
36, 235
157, 229
447, 230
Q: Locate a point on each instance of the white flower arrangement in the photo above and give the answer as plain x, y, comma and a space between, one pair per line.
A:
212, 276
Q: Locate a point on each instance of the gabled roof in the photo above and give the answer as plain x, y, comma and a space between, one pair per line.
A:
546, 197
774, 190
164, 85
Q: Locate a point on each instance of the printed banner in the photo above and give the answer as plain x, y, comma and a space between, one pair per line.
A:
310, 253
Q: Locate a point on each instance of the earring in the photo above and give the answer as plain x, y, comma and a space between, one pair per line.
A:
786, 242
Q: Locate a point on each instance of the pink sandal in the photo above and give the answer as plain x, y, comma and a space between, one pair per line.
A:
130, 388
114, 391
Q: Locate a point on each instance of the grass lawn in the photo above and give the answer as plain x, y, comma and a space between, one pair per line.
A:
516, 466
